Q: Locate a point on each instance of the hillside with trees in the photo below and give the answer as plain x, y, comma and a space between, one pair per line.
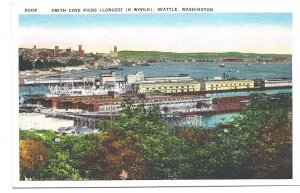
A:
140, 145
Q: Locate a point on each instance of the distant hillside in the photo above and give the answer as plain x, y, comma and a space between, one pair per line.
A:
197, 56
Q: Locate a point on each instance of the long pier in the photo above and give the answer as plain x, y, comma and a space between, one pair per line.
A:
79, 121
57, 81
54, 81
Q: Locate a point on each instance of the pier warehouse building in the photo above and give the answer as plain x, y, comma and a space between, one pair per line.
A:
167, 87
111, 104
277, 83
140, 77
233, 84
170, 105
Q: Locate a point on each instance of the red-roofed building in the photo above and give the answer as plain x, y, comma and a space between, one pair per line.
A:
279, 59
81, 53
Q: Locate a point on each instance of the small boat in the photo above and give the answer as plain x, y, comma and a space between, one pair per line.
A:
222, 65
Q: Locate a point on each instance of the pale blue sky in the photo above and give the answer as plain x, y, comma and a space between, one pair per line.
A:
67, 21
193, 32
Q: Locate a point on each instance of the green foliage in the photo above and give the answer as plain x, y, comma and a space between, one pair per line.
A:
258, 144
197, 56
74, 62
24, 64
41, 135
62, 156
78, 146
44, 64
262, 130
59, 167
118, 152
23, 134
165, 155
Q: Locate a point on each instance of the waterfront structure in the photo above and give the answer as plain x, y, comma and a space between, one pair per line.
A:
230, 104
179, 78
167, 87
112, 103
108, 79
276, 83
115, 49
233, 84
140, 77
72, 102
133, 78
168, 105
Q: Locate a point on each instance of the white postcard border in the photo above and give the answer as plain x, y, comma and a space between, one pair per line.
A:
229, 6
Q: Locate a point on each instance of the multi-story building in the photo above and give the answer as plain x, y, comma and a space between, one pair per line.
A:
233, 84
133, 78
140, 77
80, 51
108, 78
276, 83
57, 51
167, 87
179, 78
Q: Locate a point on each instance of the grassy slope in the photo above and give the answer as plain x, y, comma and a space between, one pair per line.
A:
172, 55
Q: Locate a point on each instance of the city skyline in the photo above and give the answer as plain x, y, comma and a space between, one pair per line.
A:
219, 32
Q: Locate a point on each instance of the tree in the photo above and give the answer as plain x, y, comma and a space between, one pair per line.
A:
39, 64
117, 152
33, 155
74, 62
24, 64
207, 152
58, 167
259, 145
262, 139
164, 154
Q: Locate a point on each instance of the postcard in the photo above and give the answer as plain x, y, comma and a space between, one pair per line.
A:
115, 94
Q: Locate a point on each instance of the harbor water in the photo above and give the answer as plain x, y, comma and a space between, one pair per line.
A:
197, 70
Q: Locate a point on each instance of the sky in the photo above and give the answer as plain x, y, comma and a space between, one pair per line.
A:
181, 32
